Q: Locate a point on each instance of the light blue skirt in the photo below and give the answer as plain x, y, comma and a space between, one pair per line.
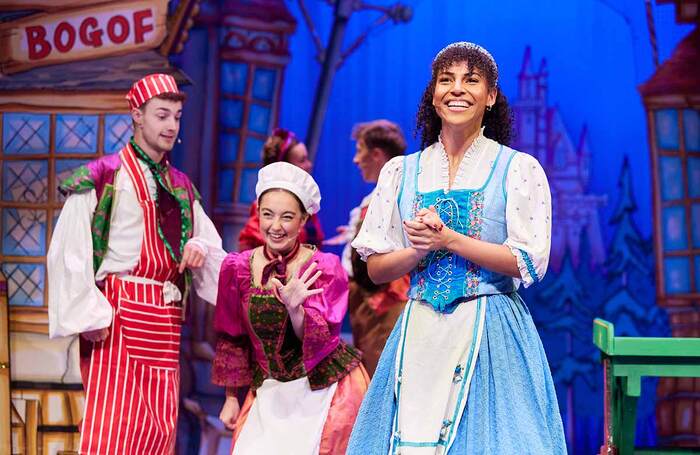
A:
511, 407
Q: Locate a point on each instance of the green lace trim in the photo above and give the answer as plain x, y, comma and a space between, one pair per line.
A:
100, 226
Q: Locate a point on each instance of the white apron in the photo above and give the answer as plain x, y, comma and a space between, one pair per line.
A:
286, 418
437, 355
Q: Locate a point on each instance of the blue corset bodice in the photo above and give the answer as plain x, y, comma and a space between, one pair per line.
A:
444, 279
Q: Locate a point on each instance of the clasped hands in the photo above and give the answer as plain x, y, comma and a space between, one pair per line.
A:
427, 232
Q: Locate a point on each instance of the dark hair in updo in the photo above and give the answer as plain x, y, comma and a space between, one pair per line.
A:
498, 122
278, 145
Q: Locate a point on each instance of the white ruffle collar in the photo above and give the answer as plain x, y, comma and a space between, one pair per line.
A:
468, 160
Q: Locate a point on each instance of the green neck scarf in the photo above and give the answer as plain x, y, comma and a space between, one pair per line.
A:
159, 170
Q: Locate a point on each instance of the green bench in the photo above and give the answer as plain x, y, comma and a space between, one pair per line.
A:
625, 361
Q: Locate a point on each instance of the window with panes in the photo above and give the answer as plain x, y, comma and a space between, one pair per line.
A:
677, 135
37, 151
246, 113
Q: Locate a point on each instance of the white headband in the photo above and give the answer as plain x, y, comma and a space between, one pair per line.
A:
470, 46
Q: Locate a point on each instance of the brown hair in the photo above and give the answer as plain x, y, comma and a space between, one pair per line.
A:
381, 134
278, 145
168, 96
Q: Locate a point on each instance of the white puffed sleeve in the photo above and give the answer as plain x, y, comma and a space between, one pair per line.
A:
382, 231
205, 279
75, 304
528, 217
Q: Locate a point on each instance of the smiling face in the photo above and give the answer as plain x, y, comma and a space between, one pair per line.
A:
157, 124
461, 95
281, 220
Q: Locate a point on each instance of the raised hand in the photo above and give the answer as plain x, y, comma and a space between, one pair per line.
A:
296, 291
341, 238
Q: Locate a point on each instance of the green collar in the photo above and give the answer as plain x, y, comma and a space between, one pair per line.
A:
158, 168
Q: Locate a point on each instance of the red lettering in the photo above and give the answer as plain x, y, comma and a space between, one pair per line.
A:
67, 30
36, 42
140, 29
91, 33
123, 24
90, 38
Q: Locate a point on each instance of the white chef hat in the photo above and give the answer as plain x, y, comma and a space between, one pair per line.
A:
293, 179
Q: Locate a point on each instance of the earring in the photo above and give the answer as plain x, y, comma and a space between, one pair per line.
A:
488, 108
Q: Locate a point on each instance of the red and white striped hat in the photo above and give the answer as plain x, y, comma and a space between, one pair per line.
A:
150, 86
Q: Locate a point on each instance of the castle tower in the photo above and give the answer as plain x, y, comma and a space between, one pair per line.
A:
541, 133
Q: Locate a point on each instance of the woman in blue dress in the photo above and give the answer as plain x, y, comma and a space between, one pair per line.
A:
469, 218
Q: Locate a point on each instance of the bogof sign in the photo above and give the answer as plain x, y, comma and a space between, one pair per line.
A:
84, 33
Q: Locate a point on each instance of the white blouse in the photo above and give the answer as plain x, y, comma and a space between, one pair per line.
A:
75, 303
346, 257
528, 205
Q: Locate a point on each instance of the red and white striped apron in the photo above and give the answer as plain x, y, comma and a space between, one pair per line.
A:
133, 382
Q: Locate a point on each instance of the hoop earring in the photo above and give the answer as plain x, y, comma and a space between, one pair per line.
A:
488, 108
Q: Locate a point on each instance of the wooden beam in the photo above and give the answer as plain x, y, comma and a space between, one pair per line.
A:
29, 320
31, 427
60, 101
50, 5
5, 403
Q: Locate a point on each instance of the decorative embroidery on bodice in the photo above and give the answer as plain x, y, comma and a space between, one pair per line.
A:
444, 279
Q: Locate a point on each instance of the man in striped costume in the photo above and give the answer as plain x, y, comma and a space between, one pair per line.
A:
131, 238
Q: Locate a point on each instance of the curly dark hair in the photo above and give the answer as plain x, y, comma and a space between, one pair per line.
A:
498, 121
